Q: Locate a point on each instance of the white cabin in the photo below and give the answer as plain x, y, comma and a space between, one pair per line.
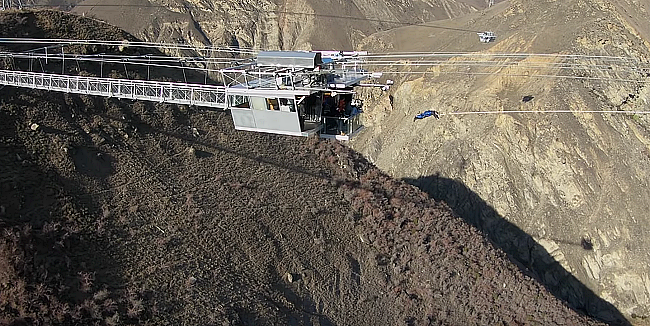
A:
295, 93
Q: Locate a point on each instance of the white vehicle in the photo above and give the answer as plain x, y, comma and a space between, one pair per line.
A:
487, 37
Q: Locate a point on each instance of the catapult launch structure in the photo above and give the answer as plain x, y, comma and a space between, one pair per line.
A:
282, 92
296, 93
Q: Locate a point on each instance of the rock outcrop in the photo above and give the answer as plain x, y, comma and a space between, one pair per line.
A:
119, 212
269, 24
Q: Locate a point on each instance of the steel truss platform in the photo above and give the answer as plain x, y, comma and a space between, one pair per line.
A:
177, 93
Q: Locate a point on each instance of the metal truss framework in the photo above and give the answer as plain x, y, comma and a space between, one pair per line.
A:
189, 94
270, 78
15, 4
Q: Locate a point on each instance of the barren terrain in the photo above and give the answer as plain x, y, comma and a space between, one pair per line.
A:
561, 179
120, 212
270, 24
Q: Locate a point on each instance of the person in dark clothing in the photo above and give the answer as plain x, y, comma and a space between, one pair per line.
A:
328, 106
301, 116
341, 108
425, 114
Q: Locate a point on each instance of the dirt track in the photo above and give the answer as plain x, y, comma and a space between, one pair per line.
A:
119, 212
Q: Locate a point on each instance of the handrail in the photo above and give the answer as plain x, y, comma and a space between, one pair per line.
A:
178, 93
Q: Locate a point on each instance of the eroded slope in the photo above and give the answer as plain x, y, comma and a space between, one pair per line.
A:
577, 183
119, 212
269, 24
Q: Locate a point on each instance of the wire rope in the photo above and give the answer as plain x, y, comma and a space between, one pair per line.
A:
370, 72
478, 54
226, 60
284, 12
511, 75
135, 44
514, 65
544, 111
120, 59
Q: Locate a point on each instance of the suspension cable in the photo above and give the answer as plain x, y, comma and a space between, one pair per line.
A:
544, 111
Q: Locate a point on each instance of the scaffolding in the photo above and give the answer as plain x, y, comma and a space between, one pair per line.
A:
16, 4
178, 93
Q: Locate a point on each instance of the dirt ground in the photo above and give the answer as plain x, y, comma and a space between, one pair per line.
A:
120, 212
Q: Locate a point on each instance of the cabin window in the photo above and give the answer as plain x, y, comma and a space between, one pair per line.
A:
287, 105
258, 103
273, 104
312, 106
239, 101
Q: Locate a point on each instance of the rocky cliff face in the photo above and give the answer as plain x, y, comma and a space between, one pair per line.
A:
573, 186
117, 212
269, 24
576, 182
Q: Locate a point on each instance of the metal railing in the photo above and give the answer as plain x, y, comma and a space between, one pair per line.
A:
178, 93
341, 125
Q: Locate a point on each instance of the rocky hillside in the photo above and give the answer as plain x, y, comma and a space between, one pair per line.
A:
566, 194
269, 24
119, 212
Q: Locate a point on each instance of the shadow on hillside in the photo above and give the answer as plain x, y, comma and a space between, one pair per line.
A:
50, 238
520, 247
304, 310
145, 128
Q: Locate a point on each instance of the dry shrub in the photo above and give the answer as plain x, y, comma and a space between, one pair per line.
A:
113, 320
135, 305
20, 286
86, 281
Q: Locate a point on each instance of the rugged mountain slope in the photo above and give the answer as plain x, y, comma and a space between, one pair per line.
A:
269, 24
576, 183
117, 212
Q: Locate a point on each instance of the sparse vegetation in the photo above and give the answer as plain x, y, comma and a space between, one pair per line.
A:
133, 230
